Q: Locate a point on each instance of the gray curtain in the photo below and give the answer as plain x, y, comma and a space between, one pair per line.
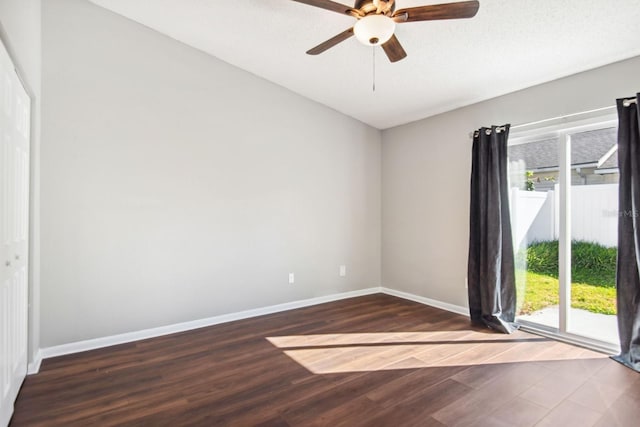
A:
491, 270
627, 277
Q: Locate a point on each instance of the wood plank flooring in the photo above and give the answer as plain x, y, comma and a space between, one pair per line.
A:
369, 361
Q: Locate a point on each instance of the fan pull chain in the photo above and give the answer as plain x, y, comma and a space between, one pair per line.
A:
373, 49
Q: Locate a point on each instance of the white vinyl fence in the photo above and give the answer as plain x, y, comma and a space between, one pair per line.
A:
594, 214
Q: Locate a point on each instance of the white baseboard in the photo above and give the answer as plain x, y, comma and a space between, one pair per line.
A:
92, 344
458, 309
34, 367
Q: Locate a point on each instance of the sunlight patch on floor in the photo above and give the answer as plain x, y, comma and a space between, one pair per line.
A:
361, 352
382, 337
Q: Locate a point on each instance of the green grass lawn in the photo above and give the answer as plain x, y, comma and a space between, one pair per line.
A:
593, 271
540, 291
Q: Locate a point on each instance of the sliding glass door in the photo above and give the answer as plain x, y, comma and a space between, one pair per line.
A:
564, 208
594, 234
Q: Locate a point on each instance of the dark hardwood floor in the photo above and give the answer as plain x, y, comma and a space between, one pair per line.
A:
369, 361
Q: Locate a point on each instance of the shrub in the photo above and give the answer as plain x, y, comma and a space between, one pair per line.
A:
591, 263
542, 258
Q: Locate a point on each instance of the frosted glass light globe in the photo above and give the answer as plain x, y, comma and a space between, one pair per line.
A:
373, 30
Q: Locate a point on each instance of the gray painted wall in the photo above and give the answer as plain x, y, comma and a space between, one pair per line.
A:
21, 25
176, 187
427, 166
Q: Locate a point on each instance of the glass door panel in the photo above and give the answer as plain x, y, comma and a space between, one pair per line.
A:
594, 234
534, 203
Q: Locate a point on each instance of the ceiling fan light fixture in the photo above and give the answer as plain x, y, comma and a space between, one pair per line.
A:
373, 30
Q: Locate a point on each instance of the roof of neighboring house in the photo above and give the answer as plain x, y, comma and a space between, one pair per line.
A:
611, 162
597, 148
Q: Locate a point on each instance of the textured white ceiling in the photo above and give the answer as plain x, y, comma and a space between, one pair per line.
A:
509, 45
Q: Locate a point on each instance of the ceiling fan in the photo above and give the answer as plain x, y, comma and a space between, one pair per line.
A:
377, 21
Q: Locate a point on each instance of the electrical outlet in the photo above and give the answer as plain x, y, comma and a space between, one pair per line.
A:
343, 270
292, 278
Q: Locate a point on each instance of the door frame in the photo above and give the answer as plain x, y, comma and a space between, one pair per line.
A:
18, 371
562, 129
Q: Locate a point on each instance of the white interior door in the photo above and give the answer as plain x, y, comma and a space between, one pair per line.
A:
15, 112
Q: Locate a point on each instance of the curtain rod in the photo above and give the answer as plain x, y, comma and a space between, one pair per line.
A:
473, 134
626, 103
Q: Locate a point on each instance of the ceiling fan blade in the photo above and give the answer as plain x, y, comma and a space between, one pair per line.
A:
331, 42
328, 5
394, 49
465, 9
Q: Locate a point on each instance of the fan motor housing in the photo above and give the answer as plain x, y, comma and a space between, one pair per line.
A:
368, 6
